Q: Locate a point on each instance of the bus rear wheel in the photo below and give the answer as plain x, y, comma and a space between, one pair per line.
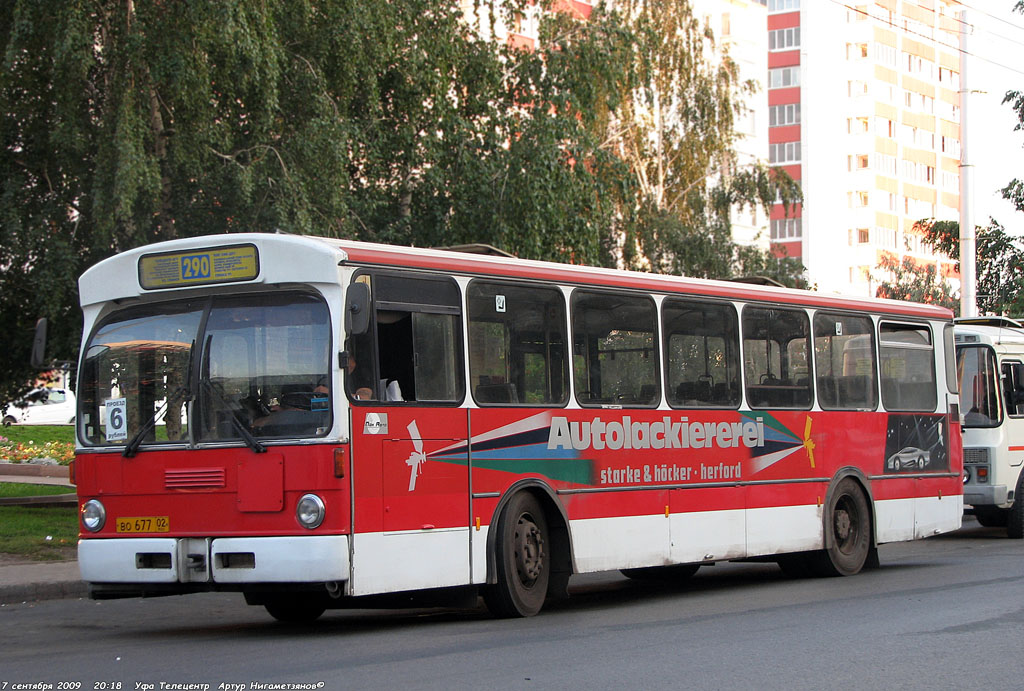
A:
522, 563
849, 522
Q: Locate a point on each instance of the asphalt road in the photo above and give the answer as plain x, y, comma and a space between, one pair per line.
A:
941, 613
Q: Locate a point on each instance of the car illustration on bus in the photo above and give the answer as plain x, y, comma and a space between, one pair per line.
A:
908, 458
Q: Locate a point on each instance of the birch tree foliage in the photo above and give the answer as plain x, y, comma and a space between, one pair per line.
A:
676, 128
126, 122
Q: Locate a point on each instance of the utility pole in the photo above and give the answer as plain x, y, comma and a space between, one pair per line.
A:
968, 237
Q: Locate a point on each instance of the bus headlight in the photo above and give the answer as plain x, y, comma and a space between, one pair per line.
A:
94, 516
310, 511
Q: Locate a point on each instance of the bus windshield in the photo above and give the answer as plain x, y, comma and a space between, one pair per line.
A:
254, 365
979, 386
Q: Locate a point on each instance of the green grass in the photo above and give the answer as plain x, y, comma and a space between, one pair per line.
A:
26, 489
24, 529
40, 434
24, 532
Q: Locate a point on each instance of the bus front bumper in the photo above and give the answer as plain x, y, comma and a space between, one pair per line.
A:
212, 561
978, 495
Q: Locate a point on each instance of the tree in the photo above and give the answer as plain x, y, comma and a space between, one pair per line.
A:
126, 122
675, 128
913, 282
999, 280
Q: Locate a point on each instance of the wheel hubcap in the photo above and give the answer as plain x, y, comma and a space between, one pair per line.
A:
844, 526
529, 550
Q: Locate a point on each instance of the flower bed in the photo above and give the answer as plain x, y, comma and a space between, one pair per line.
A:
25, 452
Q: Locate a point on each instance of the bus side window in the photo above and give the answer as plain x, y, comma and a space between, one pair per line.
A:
776, 357
1013, 387
907, 363
517, 345
844, 362
414, 343
702, 346
615, 360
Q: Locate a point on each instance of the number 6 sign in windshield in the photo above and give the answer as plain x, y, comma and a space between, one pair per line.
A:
117, 428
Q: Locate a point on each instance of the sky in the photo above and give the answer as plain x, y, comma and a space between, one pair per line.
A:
993, 68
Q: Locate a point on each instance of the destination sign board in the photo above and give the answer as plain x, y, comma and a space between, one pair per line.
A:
199, 267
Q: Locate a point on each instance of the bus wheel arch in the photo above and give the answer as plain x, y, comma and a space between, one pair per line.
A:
528, 519
848, 521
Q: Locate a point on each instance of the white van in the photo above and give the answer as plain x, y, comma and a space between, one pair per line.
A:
990, 366
42, 407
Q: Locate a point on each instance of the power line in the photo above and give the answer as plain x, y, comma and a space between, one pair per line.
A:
907, 30
988, 14
972, 28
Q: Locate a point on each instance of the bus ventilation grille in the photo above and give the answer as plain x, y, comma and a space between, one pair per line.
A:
194, 478
975, 456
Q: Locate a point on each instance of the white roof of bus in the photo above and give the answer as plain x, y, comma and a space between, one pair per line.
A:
296, 258
989, 334
309, 259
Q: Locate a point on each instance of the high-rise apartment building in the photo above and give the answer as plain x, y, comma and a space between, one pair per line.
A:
739, 28
863, 109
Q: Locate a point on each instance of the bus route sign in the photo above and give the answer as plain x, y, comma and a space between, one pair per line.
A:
199, 267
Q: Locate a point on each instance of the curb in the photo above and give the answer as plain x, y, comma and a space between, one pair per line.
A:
37, 592
43, 500
35, 470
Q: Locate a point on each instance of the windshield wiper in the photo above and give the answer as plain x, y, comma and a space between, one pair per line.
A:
133, 446
245, 434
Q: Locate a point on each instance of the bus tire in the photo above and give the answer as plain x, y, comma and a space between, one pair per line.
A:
522, 563
991, 516
849, 520
676, 573
295, 609
1015, 516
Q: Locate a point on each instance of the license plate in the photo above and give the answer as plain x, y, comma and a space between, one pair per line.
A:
144, 524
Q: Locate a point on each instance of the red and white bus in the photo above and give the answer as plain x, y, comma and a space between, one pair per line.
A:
319, 423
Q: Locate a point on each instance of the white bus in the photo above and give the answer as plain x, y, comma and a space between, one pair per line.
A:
990, 363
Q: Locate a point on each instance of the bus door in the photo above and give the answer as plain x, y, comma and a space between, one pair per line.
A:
410, 468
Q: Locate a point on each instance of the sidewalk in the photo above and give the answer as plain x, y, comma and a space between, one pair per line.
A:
23, 580
31, 581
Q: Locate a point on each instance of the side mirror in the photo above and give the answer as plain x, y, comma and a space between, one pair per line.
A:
357, 309
38, 358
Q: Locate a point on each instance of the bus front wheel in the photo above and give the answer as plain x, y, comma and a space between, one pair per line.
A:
522, 563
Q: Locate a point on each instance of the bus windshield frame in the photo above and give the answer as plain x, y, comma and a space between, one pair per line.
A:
222, 368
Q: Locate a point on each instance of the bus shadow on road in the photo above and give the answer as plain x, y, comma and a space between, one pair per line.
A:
972, 530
